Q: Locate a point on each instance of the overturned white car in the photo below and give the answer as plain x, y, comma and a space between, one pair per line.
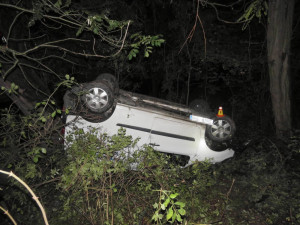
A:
169, 127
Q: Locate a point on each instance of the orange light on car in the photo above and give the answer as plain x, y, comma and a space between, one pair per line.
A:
220, 112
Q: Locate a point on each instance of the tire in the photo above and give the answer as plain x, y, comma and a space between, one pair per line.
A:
200, 106
111, 80
97, 117
217, 146
222, 130
97, 97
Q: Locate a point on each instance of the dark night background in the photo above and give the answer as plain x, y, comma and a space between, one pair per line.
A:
226, 65
206, 54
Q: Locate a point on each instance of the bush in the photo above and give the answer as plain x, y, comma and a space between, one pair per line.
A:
100, 179
267, 182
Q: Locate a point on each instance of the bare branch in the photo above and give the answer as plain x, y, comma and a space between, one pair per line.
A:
11, 26
9, 216
191, 34
17, 7
11, 174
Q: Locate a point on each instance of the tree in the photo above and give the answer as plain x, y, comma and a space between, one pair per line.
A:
46, 39
279, 35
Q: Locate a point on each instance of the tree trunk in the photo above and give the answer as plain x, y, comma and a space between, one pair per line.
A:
22, 103
279, 34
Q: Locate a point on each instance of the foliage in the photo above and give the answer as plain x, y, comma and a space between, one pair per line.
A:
266, 181
105, 179
95, 180
256, 8
148, 41
100, 179
12, 90
69, 34
168, 205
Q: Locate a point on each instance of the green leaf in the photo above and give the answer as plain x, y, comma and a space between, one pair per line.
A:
166, 203
53, 114
67, 76
36, 159
80, 30
98, 18
172, 196
135, 35
43, 150
155, 216
173, 218
58, 4
182, 211
170, 214
155, 205
181, 204
178, 218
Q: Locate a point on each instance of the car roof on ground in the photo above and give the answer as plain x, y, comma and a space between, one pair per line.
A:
152, 103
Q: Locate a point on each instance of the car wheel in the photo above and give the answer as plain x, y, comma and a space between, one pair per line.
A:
217, 146
200, 106
97, 96
223, 129
111, 80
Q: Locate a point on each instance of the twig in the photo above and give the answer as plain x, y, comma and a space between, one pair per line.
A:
228, 193
10, 27
10, 217
11, 174
191, 34
47, 182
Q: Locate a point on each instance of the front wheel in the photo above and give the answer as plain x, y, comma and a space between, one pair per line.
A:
223, 129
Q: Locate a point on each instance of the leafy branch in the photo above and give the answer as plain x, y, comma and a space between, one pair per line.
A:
169, 207
68, 82
147, 41
257, 8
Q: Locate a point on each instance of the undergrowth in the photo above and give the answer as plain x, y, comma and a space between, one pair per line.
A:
100, 179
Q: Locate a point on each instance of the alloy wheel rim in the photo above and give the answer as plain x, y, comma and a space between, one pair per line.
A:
97, 98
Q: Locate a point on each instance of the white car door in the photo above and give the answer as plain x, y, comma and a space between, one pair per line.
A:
174, 136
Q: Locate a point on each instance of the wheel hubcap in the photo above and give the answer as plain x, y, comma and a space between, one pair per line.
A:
96, 98
221, 129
